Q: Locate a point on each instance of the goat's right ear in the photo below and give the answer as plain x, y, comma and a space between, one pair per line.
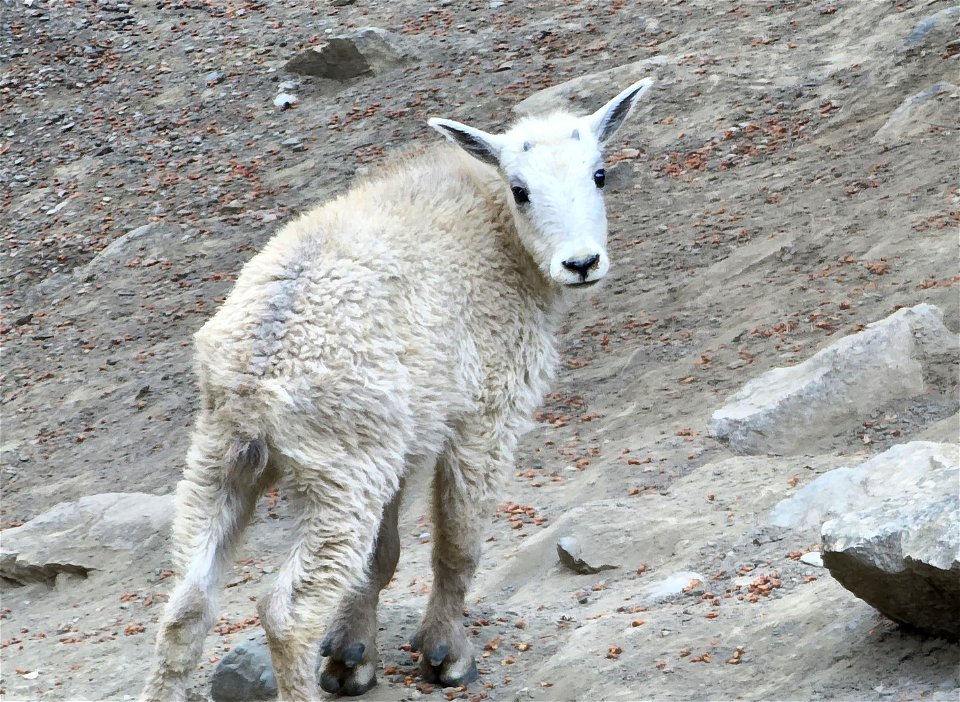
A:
475, 142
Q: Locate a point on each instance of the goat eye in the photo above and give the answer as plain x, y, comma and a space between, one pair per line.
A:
520, 194
599, 178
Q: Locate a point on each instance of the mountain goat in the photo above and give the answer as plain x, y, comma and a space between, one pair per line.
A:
409, 321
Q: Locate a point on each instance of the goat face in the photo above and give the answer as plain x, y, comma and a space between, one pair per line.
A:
553, 169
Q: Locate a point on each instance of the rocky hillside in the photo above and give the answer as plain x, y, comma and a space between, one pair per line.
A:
791, 179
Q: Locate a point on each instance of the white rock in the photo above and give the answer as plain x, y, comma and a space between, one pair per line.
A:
285, 100
787, 410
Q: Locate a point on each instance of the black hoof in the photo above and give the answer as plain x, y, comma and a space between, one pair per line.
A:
434, 675
470, 676
353, 654
329, 683
438, 653
351, 688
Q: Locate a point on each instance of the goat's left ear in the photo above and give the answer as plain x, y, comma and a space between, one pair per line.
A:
605, 121
475, 142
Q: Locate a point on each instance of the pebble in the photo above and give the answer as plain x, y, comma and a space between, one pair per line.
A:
285, 101
812, 558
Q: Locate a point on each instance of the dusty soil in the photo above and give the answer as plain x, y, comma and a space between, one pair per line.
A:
753, 221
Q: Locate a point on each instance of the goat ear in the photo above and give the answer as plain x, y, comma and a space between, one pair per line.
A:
605, 121
475, 142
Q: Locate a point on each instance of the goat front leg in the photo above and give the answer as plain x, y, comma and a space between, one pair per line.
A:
465, 485
351, 641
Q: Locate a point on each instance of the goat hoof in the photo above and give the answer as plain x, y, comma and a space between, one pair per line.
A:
438, 653
353, 654
329, 682
326, 647
451, 673
338, 678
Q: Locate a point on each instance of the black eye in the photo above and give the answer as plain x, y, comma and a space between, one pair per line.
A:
599, 178
520, 194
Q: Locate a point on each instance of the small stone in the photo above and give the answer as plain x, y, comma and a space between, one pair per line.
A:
285, 101
245, 674
812, 558
673, 585
568, 549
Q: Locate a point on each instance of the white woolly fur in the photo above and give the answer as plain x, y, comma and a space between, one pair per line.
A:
411, 320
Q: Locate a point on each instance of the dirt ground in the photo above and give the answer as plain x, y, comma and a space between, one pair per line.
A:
754, 219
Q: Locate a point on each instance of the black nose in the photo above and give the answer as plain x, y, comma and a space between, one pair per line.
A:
582, 265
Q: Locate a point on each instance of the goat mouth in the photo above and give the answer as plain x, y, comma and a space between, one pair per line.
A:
584, 283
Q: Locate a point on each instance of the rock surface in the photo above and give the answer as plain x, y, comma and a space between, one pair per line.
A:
897, 473
245, 673
938, 104
788, 410
898, 546
363, 53
590, 90
95, 532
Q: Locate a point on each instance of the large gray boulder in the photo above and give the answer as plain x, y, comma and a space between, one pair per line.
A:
890, 531
788, 410
900, 550
93, 533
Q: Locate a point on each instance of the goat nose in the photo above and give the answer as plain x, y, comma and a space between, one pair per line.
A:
582, 265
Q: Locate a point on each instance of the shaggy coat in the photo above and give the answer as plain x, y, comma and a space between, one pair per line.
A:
409, 321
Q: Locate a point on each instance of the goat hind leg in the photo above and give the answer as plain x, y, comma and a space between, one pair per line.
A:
214, 503
336, 535
351, 641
